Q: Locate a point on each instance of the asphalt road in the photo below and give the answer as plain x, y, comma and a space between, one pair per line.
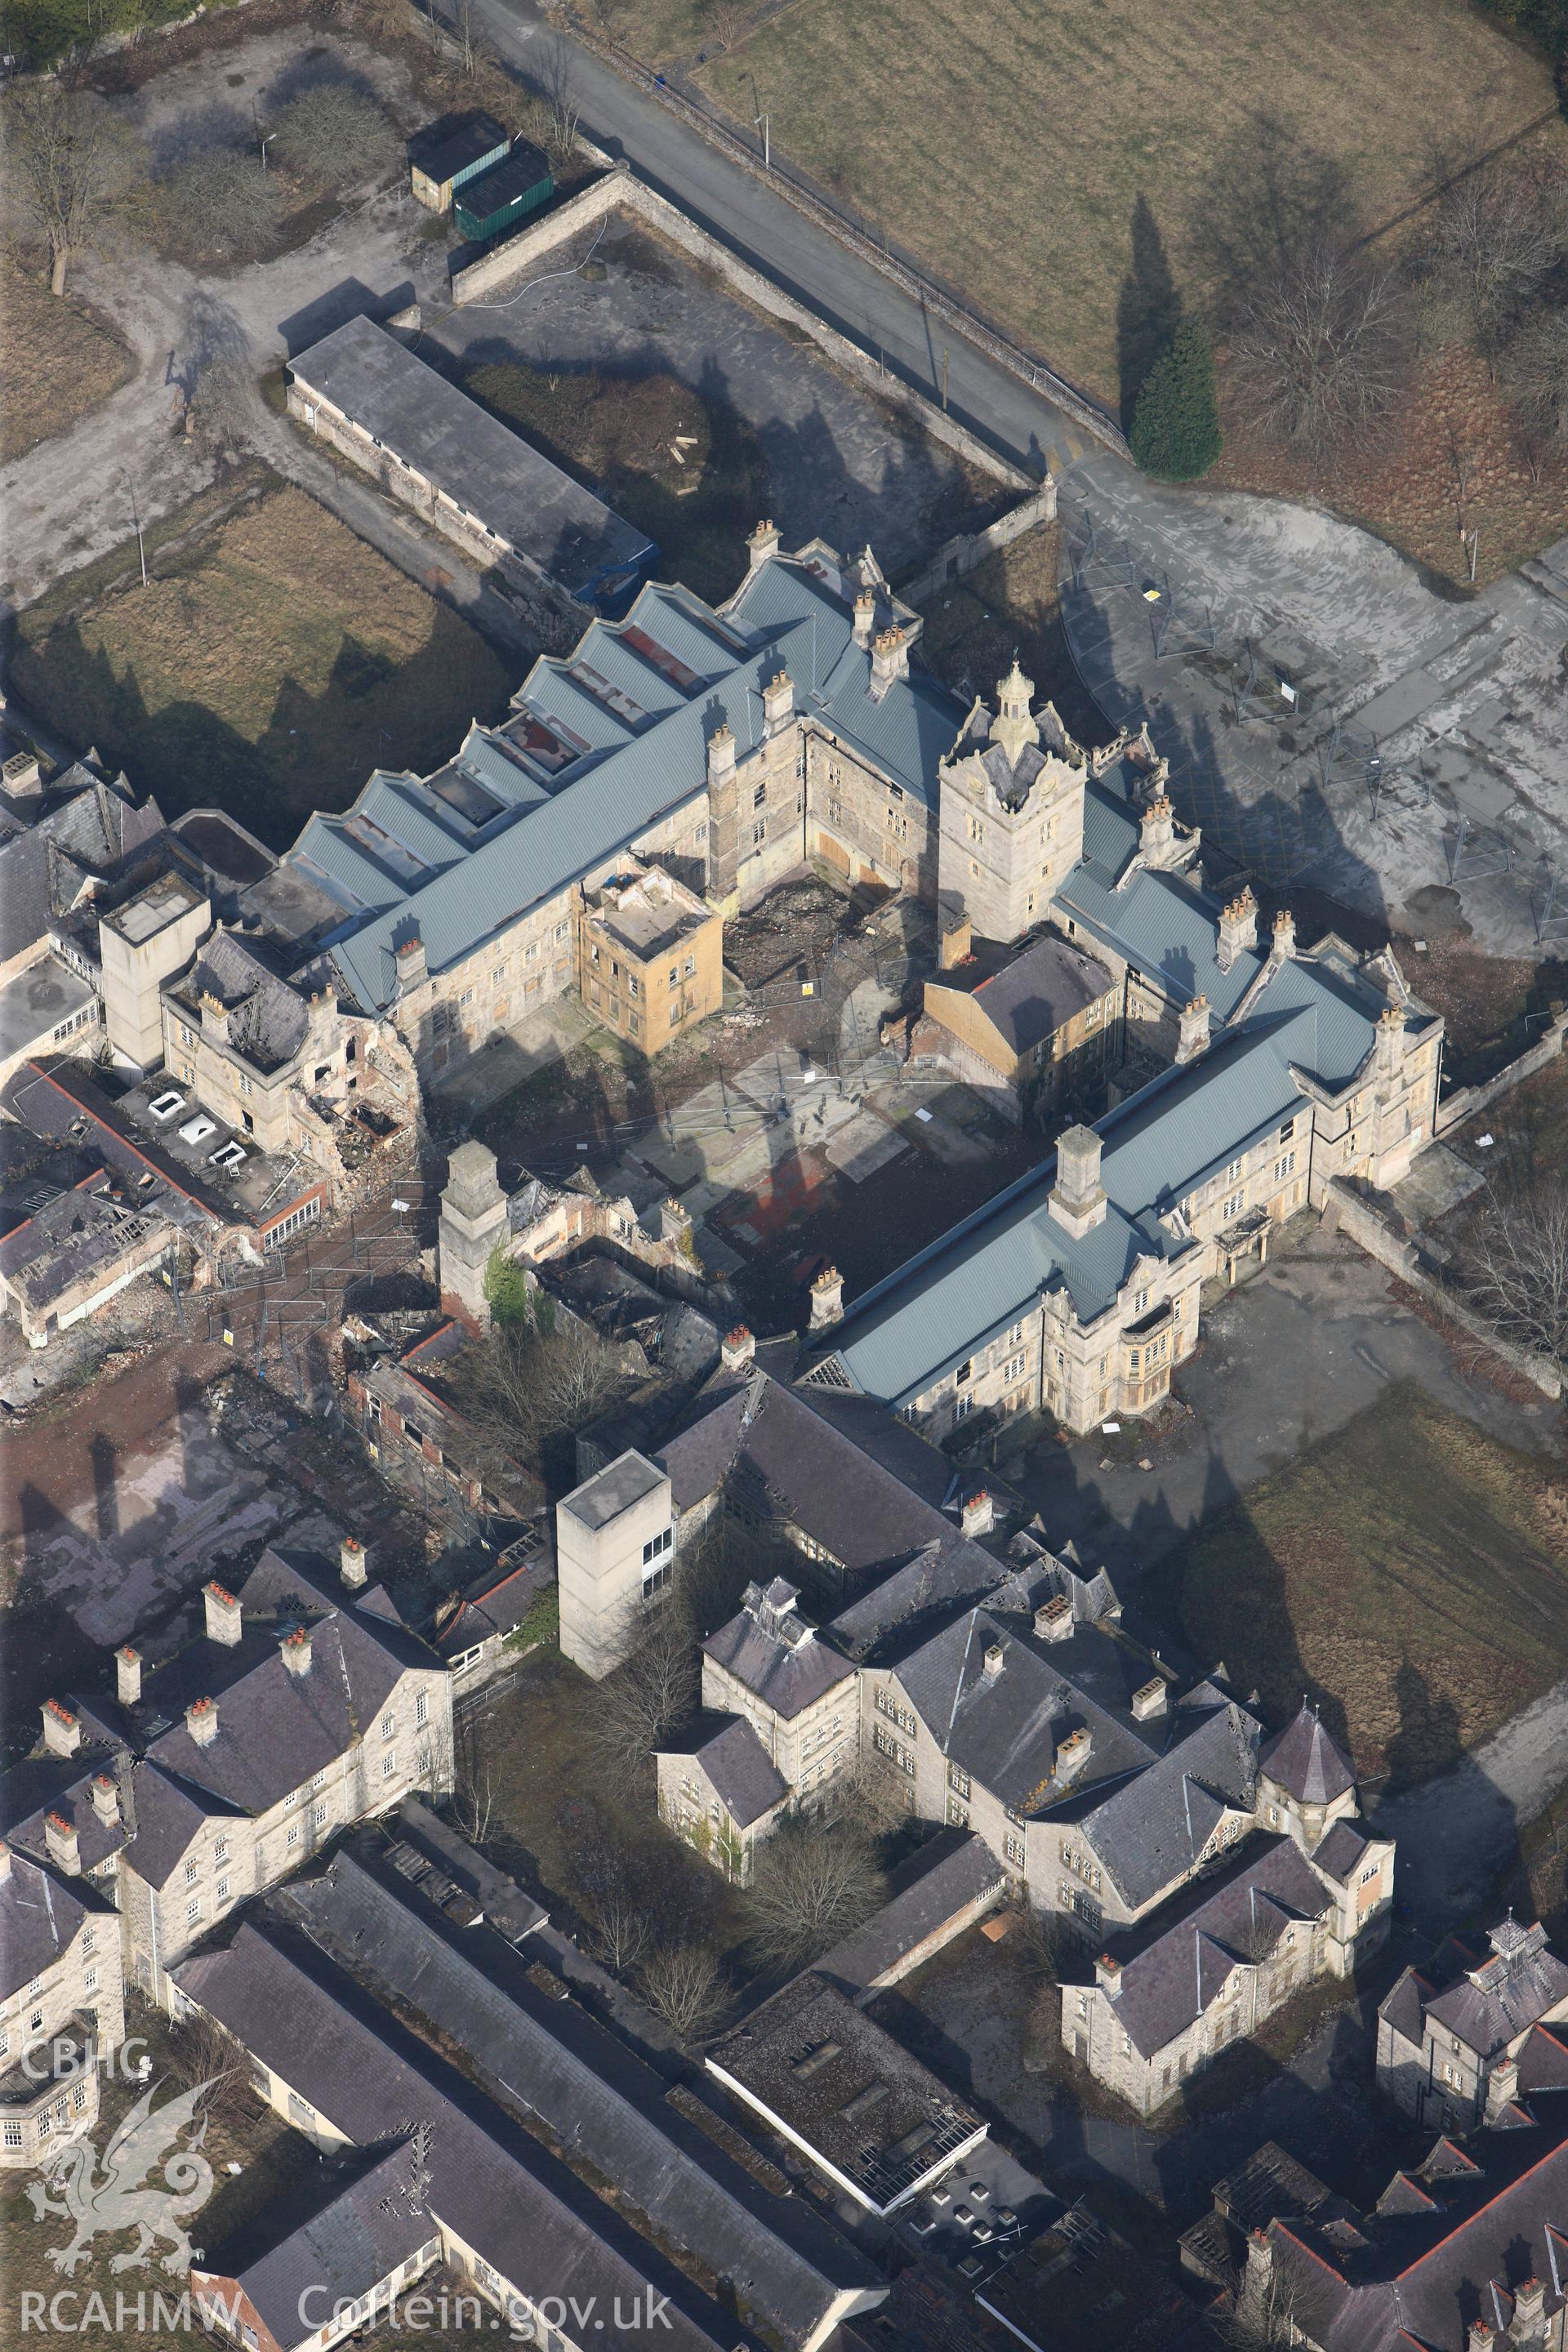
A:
765, 228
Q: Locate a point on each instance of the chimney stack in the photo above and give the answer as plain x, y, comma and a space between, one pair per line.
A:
1390, 1037
957, 943
5, 1863
1238, 928
1150, 1700
1157, 831
106, 1799
1077, 1197
778, 702
62, 1732
995, 1658
721, 755
1284, 946
827, 1298
889, 660
1073, 1754
1107, 1976
352, 1565
411, 965
297, 1650
1194, 1036
865, 617
64, 1845
737, 1349
1054, 1619
200, 1721
761, 544
224, 1619
978, 1515
128, 1674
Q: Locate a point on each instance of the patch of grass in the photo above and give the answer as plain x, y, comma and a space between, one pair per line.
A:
1410, 1572
1086, 110
243, 2131
687, 469
62, 361
272, 662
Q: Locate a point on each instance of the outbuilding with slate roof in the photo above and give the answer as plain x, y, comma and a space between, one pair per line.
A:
1449, 2033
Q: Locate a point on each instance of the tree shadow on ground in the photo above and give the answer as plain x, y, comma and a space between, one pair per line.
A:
1148, 312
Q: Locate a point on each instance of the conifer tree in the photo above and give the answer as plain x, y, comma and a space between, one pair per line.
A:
1176, 425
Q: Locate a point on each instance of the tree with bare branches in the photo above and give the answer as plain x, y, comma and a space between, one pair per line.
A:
683, 1984
725, 19
814, 1880
1321, 352
72, 159
651, 1692
1535, 369
611, 1881
334, 136
203, 2050
1497, 236
229, 201
535, 1379
1516, 1268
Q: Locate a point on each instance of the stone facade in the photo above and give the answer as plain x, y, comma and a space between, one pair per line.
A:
798, 1695
615, 1548
1449, 2033
650, 956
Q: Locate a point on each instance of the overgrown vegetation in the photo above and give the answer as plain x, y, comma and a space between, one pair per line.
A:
684, 467
269, 665
1411, 1572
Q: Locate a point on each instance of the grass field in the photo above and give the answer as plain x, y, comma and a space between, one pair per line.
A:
1411, 1572
59, 361
272, 663
1008, 150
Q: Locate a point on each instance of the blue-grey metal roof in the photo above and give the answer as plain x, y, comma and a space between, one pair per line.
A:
645, 759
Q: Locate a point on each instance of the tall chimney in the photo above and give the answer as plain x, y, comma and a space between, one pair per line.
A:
1284, 934
778, 702
978, 1515
128, 1674
1238, 928
865, 617
1157, 831
721, 755
200, 1721
352, 1565
761, 544
827, 1298
297, 1650
738, 1349
957, 944
1077, 1199
64, 1845
1107, 1975
410, 962
62, 1732
1194, 1036
889, 660
106, 1799
224, 1618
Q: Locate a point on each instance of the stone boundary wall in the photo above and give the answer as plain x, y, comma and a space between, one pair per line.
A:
1467, 1100
932, 298
621, 191
1344, 1212
971, 548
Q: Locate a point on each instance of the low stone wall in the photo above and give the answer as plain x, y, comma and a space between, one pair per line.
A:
971, 547
621, 191
1465, 1101
1347, 1212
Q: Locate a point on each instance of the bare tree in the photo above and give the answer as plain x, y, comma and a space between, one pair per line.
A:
1517, 1267
1321, 353
203, 2050
555, 112
1496, 235
1263, 2317
1534, 368
684, 1984
652, 1691
613, 1886
815, 1881
526, 1385
71, 158
215, 370
334, 135
726, 19
228, 200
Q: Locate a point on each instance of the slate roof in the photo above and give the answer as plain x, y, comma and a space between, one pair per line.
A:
341, 2241
502, 2191
1150, 1830
1447, 2244
605, 741
422, 1833
951, 1873
1488, 1991
41, 1915
1341, 1852
586, 2089
1176, 1967
968, 1286
744, 1776
774, 1655
1306, 1761
1006, 1727
841, 2083
91, 833
1038, 991
269, 1021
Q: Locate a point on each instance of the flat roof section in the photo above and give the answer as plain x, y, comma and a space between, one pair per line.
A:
498, 479
453, 143
612, 1490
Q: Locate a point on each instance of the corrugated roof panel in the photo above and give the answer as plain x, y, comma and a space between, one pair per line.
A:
496, 768
1161, 925
345, 862
398, 812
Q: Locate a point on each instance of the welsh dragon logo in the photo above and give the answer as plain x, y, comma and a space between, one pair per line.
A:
118, 2198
